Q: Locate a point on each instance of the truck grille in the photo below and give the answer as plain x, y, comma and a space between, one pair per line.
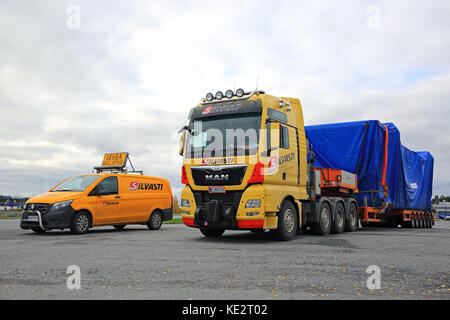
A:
226, 175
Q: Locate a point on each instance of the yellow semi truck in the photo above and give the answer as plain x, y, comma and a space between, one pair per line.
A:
247, 166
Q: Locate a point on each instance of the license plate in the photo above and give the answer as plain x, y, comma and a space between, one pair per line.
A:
216, 189
32, 218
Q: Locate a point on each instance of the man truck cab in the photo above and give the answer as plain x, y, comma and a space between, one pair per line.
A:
246, 166
112, 196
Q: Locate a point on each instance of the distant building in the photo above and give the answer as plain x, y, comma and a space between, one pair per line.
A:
442, 209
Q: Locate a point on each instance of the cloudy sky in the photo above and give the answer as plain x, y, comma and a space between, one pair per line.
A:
82, 78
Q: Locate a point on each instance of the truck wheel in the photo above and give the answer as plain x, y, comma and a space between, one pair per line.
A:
155, 221
119, 226
338, 224
324, 225
287, 222
352, 223
214, 233
80, 223
38, 230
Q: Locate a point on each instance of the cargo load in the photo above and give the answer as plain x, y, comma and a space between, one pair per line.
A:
388, 173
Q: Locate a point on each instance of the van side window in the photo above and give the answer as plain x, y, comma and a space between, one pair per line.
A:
109, 184
284, 137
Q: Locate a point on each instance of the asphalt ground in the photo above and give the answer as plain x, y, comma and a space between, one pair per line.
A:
177, 262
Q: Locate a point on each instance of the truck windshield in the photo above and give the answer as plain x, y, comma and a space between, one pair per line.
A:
230, 135
77, 183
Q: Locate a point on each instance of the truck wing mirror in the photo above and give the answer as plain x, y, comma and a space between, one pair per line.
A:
181, 148
184, 128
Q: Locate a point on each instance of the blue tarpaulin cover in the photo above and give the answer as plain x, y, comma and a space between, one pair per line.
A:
359, 147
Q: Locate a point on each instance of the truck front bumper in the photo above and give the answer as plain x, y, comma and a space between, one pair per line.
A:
224, 211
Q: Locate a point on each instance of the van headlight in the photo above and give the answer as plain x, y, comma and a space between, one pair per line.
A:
60, 205
185, 203
253, 204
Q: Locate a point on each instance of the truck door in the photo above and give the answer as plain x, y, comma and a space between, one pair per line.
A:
290, 160
107, 204
286, 155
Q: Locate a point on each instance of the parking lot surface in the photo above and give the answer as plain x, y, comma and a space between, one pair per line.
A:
177, 262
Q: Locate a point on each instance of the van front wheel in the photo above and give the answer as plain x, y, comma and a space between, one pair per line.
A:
80, 223
155, 221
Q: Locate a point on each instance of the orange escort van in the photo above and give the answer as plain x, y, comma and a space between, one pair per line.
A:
90, 200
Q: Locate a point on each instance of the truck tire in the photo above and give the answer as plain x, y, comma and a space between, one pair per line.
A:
338, 225
212, 233
155, 221
80, 223
352, 222
287, 222
324, 225
421, 221
414, 221
119, 226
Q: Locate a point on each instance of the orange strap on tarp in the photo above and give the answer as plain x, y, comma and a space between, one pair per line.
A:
383, 179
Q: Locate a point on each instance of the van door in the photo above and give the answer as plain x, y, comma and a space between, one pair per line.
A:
134, 199
107, 204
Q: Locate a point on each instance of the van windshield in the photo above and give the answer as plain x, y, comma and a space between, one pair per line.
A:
77, 183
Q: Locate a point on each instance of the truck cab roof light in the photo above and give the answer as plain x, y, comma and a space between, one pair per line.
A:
209, 97
229, 94
219, 95
240, 92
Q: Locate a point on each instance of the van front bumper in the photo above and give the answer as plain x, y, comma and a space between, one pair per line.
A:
59, 219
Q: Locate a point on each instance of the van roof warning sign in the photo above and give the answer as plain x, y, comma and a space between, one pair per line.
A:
116, 162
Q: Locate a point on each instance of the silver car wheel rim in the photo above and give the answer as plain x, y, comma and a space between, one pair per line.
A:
289, 220
156, 220
82, 222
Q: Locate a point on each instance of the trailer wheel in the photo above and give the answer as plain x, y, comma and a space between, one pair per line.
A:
414, 220
287, 222
352, 223
338, 224
421, 221
214, 233
324, 225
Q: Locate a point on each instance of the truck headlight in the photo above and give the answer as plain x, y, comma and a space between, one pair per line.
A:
185, 203
253, 204
60, 205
